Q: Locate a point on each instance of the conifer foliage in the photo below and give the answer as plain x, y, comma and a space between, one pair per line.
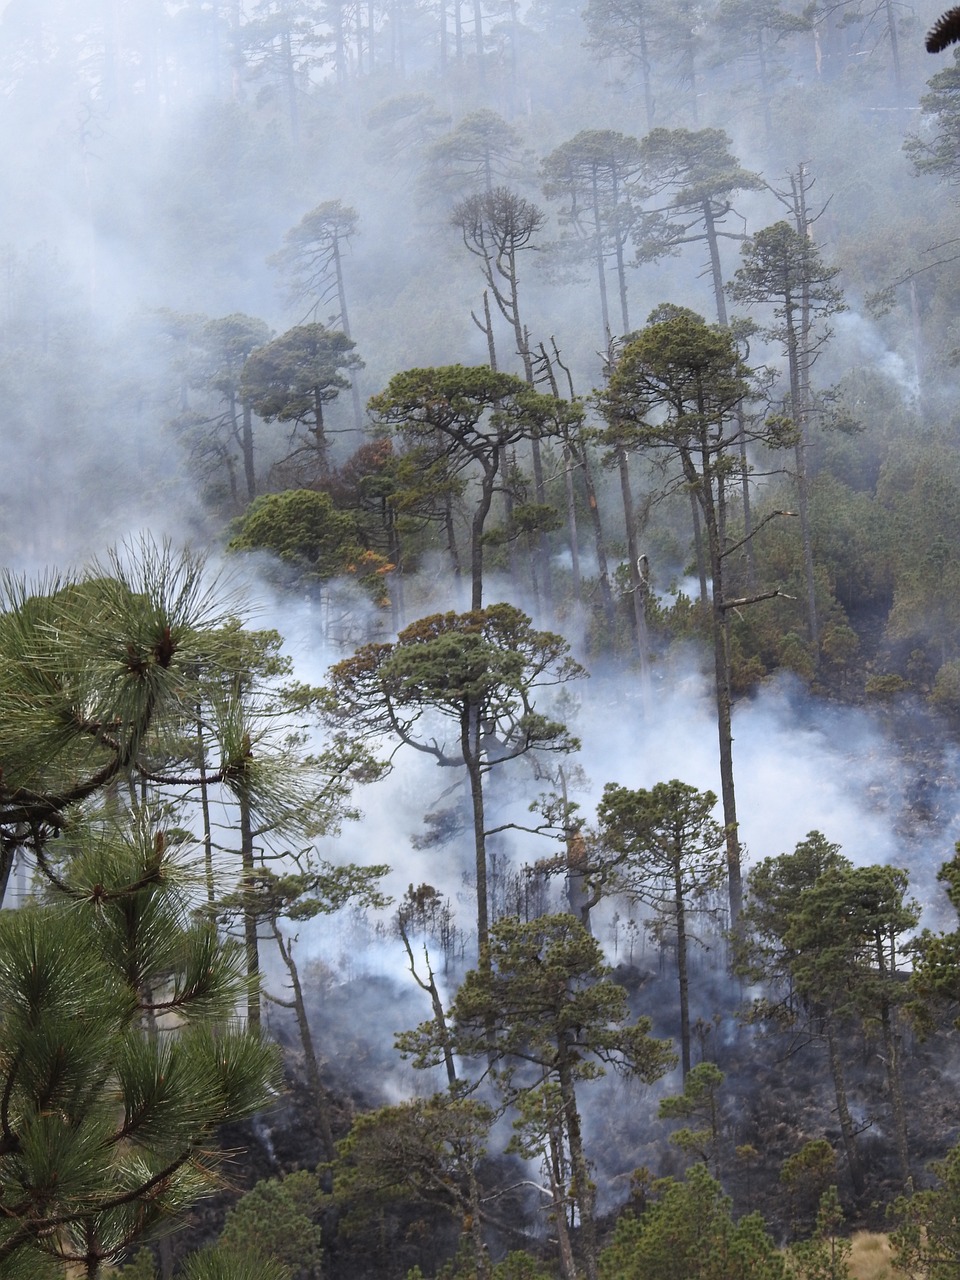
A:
120, 1054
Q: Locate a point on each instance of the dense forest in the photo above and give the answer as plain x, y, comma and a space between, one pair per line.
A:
479, 676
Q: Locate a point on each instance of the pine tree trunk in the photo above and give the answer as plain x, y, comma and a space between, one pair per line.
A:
584, 1193
682, 977
470, 746
847, 1131
317, 1092
251, 941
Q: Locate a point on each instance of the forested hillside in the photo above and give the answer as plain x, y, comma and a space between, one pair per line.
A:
479, 662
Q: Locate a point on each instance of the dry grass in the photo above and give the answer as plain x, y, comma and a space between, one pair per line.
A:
870, 1257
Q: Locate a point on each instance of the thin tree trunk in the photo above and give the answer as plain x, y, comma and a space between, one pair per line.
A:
798, 359
478, 38
250, 939
698, 552
311, 1062
601, 273
289, 76
891, 1050
470, 747
637, 587
205, 814
584, 1192
246, 446
572, 536
451, 539
476, 534
430, 987
542, 551
682, 977
711, 504
716, 274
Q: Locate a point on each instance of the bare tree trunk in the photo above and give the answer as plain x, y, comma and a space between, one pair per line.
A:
637, 587
452, 550
699, 552
682, 977
311, 1062
251, 941
572, 536
584, 1193
599, 542
205, 814
798, 360
568, 1268
470, 746
601, 272
430, 987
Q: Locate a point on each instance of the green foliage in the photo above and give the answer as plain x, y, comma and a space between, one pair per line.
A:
422, 1152
546, 992
782, 267
302, 528
486, 663
773, 891
515, 1266
276, 1221
120, 1054
459, 422
107, 1128
141, 1268
936, 956
945, 693
920, 491
294, 376
689, 369
542, 998
926, 1237
664, 848
845, 932
886, 686
661, 842
807, 1176
289, 377
481, 151
687, 1233
216, 1263
700, 1101
310, 257
826, 1255
939, 155
695, 166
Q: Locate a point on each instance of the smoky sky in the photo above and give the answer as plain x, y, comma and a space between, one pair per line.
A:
115, 210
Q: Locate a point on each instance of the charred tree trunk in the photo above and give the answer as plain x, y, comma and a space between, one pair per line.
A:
470, 747
310, 1060
429, 985
847, 1130
584, 1193
680, 919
